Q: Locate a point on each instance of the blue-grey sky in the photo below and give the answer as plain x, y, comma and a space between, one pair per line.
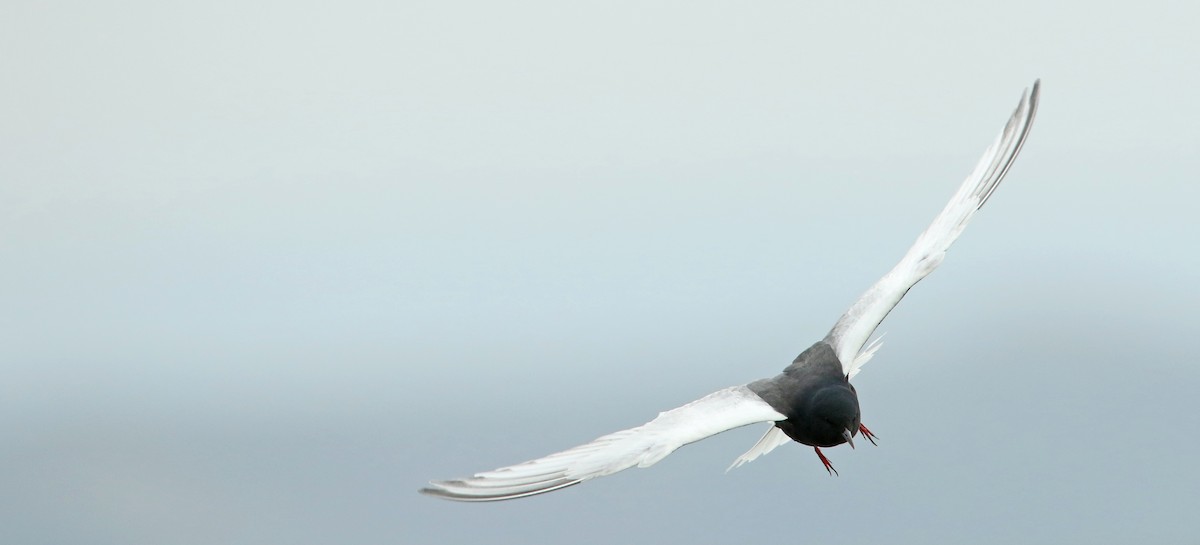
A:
270, 266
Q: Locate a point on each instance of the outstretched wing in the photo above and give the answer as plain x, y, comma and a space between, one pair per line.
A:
642, 446
855, 326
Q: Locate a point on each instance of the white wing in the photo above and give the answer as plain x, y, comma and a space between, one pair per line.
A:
855, 326
641, 446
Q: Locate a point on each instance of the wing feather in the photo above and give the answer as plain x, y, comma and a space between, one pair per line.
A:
773, 438
854, 327
642, 446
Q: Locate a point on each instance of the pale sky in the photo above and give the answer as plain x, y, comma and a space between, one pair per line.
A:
271, 266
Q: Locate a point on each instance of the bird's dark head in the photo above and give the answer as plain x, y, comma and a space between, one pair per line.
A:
835, 416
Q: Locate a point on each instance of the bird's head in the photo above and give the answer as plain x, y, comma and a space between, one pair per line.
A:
837, 416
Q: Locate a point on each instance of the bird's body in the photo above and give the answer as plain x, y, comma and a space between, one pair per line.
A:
811, 402
815, 395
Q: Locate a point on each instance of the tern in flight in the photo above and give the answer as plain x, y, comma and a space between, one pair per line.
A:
810, 402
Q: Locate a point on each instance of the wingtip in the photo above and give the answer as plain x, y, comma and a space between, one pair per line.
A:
433, 492
1032, 95
435, 489
438, 491
480, 495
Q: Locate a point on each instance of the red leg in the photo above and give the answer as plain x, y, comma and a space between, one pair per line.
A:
824, 460
867, 433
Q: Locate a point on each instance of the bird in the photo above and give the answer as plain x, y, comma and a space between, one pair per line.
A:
812, 402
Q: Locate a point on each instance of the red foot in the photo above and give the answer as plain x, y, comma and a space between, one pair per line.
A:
862, 430
824, 460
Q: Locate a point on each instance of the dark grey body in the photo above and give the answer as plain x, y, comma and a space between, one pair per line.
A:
815, 395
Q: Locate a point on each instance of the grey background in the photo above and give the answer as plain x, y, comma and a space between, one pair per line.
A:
268, 267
